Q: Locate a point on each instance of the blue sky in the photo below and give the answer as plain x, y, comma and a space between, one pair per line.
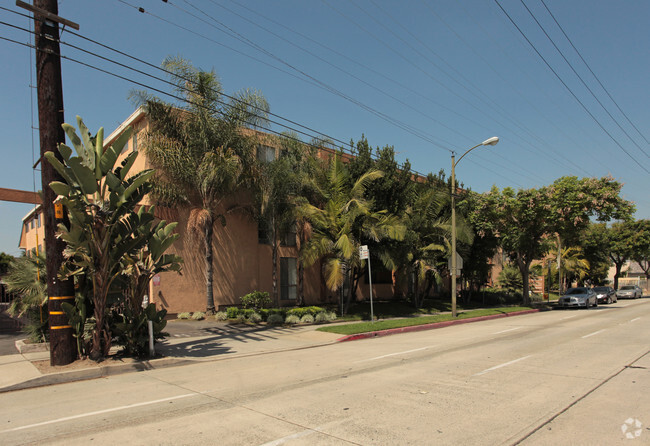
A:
425, 77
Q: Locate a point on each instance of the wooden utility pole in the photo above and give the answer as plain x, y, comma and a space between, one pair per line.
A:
50, 119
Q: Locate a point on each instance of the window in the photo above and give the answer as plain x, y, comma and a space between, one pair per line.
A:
288, 238
265, 154
263, 233
26, 226
40, 249
31, 223
135, 142
38, 220
288, 278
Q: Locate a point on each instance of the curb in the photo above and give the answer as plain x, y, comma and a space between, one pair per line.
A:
23, 347
432, 326
96, 372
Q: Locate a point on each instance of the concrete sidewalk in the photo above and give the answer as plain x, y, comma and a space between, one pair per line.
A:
220, 342
206, 341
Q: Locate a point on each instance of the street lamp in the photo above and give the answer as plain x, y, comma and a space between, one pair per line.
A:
488, 142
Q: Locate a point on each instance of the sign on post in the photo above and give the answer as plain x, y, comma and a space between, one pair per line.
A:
364, 254
459, 264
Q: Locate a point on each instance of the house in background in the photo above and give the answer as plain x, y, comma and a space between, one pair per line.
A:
32, 234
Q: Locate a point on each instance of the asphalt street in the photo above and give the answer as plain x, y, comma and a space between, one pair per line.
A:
559, 377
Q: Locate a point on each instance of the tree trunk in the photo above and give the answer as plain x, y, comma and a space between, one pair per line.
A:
619, 267
209, 272
524, 266
274, 267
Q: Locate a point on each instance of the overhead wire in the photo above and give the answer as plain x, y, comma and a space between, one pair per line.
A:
322, 136
476, 94
346, 72
548, 147
592, 72
581, 79
158, 90
618, 144
400, 124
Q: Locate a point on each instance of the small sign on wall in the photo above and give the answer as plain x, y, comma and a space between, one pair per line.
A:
156, 280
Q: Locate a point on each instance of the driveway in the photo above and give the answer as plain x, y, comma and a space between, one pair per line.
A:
10, 331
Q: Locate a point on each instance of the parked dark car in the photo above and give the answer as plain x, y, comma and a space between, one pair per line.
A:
629, 291
580, 297
605, 294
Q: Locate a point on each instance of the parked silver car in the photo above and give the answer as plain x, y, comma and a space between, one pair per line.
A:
605, 294
580, 297
629, 291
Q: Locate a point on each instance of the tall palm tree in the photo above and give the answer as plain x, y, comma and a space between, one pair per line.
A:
342, 222
200, 150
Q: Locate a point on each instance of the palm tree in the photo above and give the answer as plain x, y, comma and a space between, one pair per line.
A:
201, 151
574, 265
426, 241
26, 278
342, 222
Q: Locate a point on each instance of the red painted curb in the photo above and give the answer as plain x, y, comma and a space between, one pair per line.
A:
432, 326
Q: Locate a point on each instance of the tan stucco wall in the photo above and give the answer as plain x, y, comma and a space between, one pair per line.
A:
240, 263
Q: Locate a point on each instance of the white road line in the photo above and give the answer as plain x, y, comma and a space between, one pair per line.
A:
393, 354
505, 331
99, 412
594, 333
283, 440
635, 319
501, 365
568, 317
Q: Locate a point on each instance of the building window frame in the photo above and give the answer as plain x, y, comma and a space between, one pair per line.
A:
288, 278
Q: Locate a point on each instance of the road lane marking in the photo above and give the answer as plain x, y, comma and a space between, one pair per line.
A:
283, 440
501, 365
568, 317
99, 412
635, 319
505, 331
393, 354
592, 334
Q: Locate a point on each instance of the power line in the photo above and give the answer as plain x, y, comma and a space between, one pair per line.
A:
400, 124
162, 80
593, 74
179, 98
581, 79
486, 33
571, 91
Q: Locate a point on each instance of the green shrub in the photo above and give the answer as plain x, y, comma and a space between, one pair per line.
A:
184, 315
254, 317
332, 316
133, 330
301, 311
274, 319
322, 317
292, 319
232, 312
198, 316
307, 319
256, 300
221, 316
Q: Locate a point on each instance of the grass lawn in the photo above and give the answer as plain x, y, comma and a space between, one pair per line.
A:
364, 327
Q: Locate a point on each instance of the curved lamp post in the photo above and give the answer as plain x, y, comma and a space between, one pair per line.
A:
488, 142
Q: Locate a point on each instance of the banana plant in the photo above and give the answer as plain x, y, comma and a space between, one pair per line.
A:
140, 266
100, 194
